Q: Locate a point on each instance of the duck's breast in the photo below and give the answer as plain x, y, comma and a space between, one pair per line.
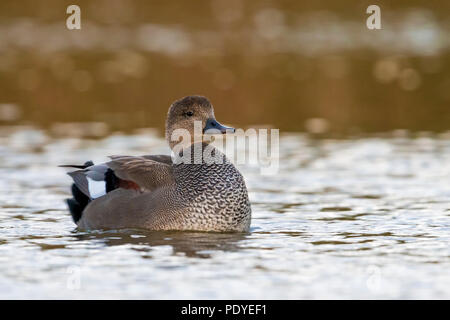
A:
215, 196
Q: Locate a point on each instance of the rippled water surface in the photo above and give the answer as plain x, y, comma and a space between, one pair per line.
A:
352, 218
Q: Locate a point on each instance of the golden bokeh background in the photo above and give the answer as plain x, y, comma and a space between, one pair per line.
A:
294, 65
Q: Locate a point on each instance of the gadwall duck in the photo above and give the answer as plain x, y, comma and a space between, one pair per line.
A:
162, 192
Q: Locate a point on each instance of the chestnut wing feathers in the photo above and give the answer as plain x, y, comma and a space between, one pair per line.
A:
145, 172
148, 174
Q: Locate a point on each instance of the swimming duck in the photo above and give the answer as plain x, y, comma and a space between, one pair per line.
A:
185, 191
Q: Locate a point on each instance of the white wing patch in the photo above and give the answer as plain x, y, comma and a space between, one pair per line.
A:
96, 188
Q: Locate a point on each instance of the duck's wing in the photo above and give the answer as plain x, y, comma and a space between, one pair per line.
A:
90, 179
146, 173
159, 158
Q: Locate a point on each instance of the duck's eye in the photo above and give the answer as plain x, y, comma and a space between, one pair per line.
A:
189, 113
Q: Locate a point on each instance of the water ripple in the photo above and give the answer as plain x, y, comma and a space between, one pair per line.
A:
370, 222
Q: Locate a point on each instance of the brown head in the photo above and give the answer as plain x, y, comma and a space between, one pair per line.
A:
195, 115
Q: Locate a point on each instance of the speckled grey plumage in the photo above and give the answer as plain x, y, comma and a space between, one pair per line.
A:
214, 196
204, 197
172, 196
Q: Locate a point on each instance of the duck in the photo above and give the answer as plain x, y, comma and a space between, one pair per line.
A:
196, 188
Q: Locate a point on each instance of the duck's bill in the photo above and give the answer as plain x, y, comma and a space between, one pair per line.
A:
214, 127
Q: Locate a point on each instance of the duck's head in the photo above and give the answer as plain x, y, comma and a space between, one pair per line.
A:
195, 115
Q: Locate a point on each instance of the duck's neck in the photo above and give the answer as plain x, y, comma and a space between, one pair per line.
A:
198, 153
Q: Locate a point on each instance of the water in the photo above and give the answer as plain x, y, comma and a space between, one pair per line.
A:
361, 217
366, 217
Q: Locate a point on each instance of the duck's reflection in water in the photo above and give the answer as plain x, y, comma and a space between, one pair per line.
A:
191, 244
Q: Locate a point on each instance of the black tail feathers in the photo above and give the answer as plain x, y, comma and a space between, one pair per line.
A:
77, 166
75, 209
77, 203
80, 200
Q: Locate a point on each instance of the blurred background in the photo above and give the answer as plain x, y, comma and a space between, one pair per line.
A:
295, 65
370, 197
